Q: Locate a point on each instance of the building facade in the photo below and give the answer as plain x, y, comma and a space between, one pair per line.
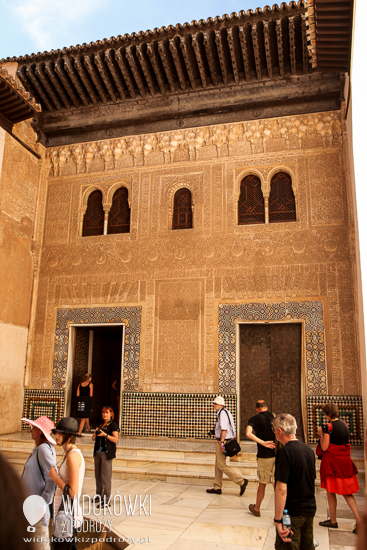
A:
209, 249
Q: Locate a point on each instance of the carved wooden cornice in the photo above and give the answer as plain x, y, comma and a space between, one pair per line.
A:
244, 138
16, 104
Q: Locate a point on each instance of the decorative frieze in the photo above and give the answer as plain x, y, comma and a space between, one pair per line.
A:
204, 143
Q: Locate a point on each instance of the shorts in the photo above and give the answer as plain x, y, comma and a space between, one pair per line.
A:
265, 470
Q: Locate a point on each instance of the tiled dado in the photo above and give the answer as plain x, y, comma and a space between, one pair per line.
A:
37, 403
309, 312
350, 410
129, 316
170, 414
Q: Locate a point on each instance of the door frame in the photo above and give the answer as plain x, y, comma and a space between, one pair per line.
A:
70, 361
303, 367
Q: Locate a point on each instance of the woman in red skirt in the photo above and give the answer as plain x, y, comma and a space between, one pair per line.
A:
337, 470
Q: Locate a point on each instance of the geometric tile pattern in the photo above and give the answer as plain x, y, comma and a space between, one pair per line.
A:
129, 316
311, 313
183, 415
350, 410
37, 403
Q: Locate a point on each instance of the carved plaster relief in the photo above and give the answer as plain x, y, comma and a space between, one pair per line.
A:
255, 137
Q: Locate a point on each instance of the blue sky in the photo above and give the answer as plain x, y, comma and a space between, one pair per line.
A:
30, 26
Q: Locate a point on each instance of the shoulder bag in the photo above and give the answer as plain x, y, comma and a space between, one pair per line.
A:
231, 446
63, 526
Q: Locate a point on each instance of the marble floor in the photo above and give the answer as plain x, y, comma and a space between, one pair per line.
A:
185, 517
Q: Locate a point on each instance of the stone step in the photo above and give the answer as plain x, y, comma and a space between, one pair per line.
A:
134, 461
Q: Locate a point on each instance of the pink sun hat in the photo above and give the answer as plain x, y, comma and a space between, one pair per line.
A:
45, 425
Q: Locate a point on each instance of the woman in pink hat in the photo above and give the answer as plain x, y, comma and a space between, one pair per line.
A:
35, 473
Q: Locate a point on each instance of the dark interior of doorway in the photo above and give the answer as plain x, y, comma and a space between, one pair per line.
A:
270, 369
106, 368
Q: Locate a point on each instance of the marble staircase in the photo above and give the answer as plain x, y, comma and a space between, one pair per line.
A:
169, 460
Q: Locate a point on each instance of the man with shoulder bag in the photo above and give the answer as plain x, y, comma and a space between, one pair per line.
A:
225, 432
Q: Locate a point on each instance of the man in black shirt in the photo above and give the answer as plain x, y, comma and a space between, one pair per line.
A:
295, 475
260, 429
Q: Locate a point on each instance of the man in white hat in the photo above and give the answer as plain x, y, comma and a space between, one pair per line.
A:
224, 429
35, 474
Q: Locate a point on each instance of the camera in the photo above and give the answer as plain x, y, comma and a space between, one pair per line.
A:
211, 432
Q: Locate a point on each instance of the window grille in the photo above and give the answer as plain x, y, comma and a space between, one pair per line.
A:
94, 215
282, 204
182, 209
251, 208
119, 215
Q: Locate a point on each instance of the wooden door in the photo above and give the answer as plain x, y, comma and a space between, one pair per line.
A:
270, 369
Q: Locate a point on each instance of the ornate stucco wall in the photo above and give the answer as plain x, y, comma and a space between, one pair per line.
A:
178, 279
19, 183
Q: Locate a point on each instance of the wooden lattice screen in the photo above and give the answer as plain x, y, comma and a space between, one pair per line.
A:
119, 215
94, 215
251, 208
282, 204
182, 209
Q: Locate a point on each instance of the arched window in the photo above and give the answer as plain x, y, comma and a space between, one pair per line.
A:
119, 215
251, 208
282, 204
94, 215
182, 209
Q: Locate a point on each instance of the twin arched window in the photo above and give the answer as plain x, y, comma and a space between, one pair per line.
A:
118, 216
251, 203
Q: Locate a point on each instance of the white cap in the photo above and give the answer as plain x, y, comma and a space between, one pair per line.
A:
219, 400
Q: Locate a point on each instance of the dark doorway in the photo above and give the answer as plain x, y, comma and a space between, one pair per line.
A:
270, 369
106, 370
105, 367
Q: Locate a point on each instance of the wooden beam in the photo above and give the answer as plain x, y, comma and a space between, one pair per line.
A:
105, 77
255, 43
6, 124
199, 59
245, 53
123, 64
59, 69
210, 58
188, 62
233, 55
85, 78
38, 86
292, 45
222, 60
279, 32
304, 45
40, 73
177, 62
156, 67
74, 77
115, 73
89, 64
134, 69
145, 68
166, 66
56, 83
269, 65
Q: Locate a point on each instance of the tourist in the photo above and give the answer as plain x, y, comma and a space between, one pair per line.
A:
224, 430
295, 474
84, 394
105, 437
337, 470
15, 534
260, 430
71, 472
35, 473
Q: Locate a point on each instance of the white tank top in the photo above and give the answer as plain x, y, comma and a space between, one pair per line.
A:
63, 473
